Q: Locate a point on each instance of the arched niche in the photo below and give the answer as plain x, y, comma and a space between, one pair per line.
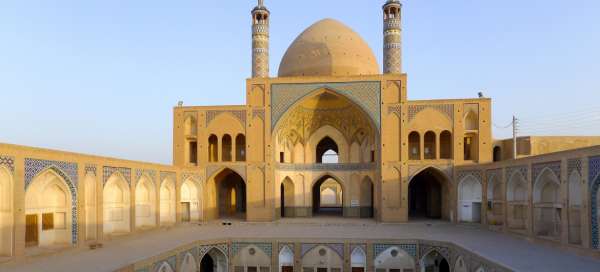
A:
367, 198
145, 203
517, 201
358, 259
191, 208
328, 196
469, 199
251, 259
428, 194
168, 202
460, 265
165, 267
189, 263
434, 261
48, 211
547, 205
394, 259
116, 206
214, 261
322, 257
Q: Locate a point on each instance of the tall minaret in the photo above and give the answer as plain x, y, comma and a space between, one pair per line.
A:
392, 37
260, 40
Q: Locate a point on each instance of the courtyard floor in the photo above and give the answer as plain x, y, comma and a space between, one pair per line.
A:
512, 252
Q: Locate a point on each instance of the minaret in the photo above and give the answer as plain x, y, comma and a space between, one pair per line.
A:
260, 40
392, 37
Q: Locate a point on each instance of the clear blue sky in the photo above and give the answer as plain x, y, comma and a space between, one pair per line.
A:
102, 76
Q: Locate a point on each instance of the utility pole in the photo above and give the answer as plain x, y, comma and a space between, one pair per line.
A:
514, 125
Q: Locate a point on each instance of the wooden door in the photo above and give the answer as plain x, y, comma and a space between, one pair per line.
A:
358, 269
185, 210
31, 230
287, 269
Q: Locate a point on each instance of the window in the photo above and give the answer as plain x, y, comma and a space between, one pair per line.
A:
226, 143
372, 155
446, 145
281, 157
327, 151
47, 221
240, 148
194, 152
213, 148
414, 146
430, 152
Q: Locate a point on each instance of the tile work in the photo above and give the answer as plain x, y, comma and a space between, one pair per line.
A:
9, 162
108, 171
68, 172
267, 248
367, 95
411, 249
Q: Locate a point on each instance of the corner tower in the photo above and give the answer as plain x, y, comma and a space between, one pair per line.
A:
260, 40
392, 37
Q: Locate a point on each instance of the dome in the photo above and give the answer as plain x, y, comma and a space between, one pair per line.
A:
328, 48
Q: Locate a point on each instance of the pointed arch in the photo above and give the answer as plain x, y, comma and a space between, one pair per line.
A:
288, 195
167, 202
286, 259
393, 259
323, 256
145, 203
190, 199
471, 121
460, 265
469, 199
328, 195
189, 264
358, 259
116, 199
428, 194
214, 260
49, 210
517, 198
547, 205
367, 197
226, 195
6, 212
213, 148
165, 267
495, 200
434, 261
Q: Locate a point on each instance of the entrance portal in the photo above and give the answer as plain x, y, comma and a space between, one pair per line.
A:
328, 197
231, 195
425, 194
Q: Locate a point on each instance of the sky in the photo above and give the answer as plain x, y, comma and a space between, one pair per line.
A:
102, 76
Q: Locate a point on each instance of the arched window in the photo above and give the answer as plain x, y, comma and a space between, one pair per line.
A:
226, 143
414, 146
497, 153
446, 145
213, 148
430, 150
240, 148
190, 126
327, 151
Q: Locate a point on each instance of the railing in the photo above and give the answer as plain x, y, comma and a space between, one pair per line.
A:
326, 167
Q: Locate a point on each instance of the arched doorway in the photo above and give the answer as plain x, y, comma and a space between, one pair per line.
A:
469, 200
518, 202
214, 261
497, 154
48, 211
426, 197
230, 194
327, 151
6, 212
434, 262
190, 202
287, 195
367, 198
328, 197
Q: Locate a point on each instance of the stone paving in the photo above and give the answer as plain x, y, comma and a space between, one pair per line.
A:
512, 252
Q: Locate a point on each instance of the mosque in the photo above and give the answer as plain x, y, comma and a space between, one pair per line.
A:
332, 135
